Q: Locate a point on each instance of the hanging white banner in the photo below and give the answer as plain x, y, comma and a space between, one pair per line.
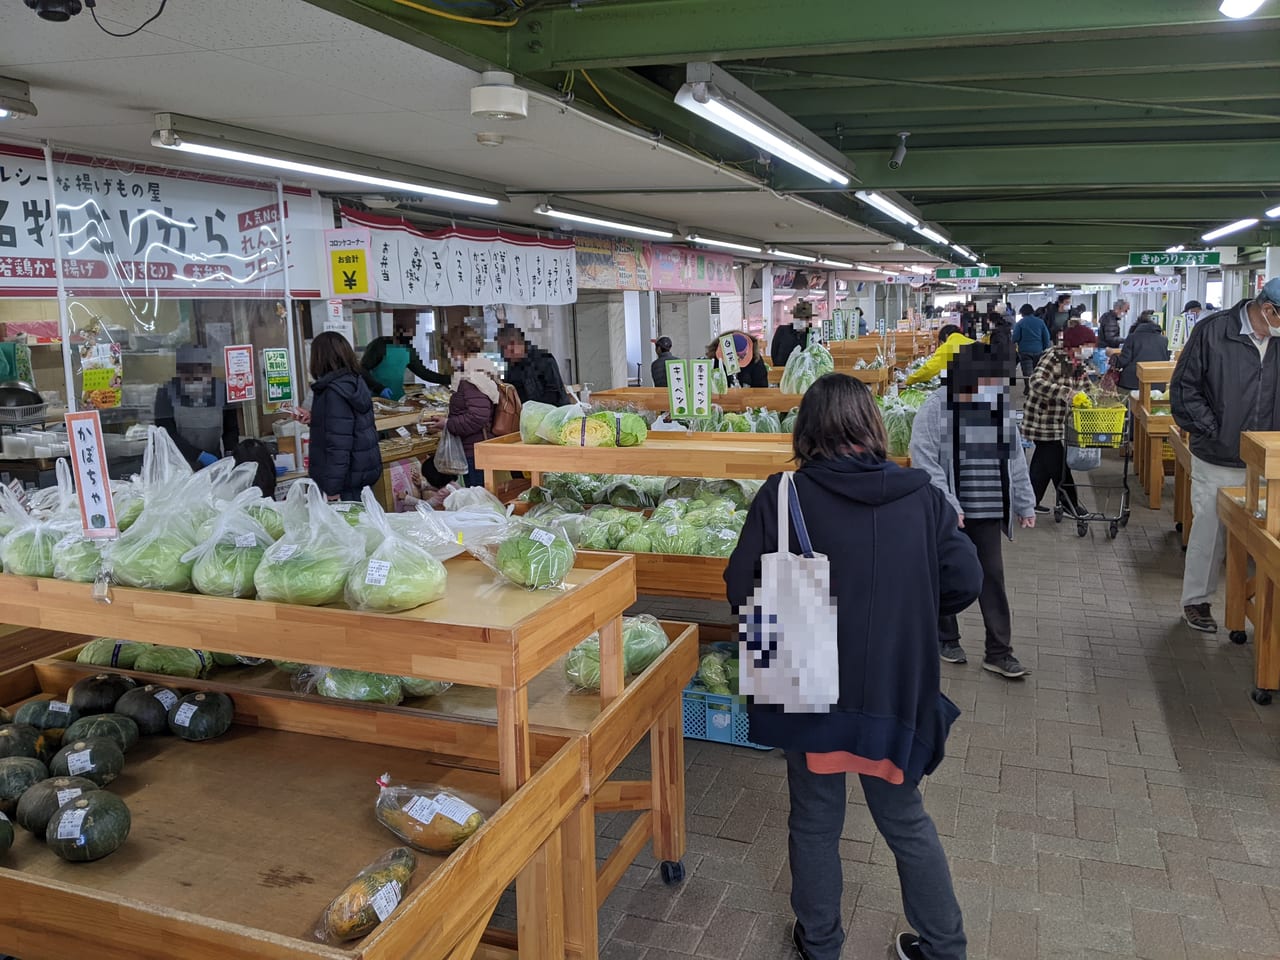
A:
466, 267
1149, 284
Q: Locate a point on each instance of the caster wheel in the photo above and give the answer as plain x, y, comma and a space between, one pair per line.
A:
672, 872
1238, 637
1057, 514
1124, 521
1261, 697
1178, 526
1113, 530
1082, 529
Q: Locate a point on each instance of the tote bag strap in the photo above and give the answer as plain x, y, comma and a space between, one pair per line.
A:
788, 502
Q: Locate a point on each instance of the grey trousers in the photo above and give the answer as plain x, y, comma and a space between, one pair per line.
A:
1207, 544
817, 818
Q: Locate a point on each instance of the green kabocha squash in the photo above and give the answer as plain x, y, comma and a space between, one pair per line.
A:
98, 694
90, 827
17, 775
113, 726
148, 707
47, 714
18, 741
201, 716
6, 833
38, 805
97, 759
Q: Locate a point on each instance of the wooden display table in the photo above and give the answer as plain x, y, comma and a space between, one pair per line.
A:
1182, 512
737, 400
1151, 430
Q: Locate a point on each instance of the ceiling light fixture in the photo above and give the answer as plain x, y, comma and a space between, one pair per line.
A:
983, 266
1178, 249
210, 139
870, 269
1229, 229
788, 255
497, 97
886, 206
838, 264
724, 244
15, 99
1238, 9
930, 234
1122, 269
715, 96
573, 212
1274, 212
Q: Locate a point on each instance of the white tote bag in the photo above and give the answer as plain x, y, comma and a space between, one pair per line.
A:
790, 655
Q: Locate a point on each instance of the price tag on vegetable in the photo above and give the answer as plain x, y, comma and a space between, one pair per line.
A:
544, 537
403, 431
376, 575
385, 901
70, 825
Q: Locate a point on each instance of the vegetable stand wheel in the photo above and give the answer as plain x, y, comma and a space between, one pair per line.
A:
1178, 526
672, 872
1113, 530
1082, 529
1124, 521
1261, 697
1238, 637
1057, 514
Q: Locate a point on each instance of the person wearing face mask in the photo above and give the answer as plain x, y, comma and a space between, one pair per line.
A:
193, 408
1061, 373
1146, 343
387, 358
1227, 381
1192, 310
966, 438
788, 338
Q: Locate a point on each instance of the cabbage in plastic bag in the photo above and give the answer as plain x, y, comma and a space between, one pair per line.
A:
643, 641
337, 683
399, 575
800, 373
532, 414
638, 542
419, 687
718, 542
474, 498
108, 652
174, 662
225, 564
529, 555
310, 563
713, 670
677, 537
77, 558
267, 514
629, 429
554, 421
670, 510
582, 664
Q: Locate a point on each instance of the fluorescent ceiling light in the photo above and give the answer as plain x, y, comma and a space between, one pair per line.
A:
723, 244
787, 255
1229, 229
602, 219
886, 206
1178, 249
1273, 212
715, 96
870, 269
1237, 9
930, 234
1122, 269
15, 99
838, 264
211, 139
983, 266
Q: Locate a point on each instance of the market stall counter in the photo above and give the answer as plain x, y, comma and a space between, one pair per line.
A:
736, 400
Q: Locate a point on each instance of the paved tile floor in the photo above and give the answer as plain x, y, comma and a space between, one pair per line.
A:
1123, 801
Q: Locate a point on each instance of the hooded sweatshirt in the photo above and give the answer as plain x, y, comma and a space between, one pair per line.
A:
898, 559
344, 442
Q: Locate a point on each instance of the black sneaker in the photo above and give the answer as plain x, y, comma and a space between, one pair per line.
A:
1041, 510
1197, 617
952, 652
908, 945
797, 937
1006, 666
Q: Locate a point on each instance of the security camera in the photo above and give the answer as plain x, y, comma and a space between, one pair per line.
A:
899, 154
59, 11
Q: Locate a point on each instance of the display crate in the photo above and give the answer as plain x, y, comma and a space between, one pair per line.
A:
716, 717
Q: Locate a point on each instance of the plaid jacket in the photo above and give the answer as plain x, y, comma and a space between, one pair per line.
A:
1053, 383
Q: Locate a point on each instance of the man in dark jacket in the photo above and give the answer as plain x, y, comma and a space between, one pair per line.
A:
1227, 381
659, 366
786, 339
1109, 325
1146, 343
1056, 315
531, 370
1031, 337
387, 358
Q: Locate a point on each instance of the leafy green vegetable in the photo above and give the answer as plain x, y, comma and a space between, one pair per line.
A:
643, 641
227, 570
735, 423
713, 673
174, 662
28, 551
417, 687
77, 559
582, 664
150, 557
531, 416
310, 579
636, 543
789, 421
269, 517
586, 432
535, 557
673, 537
339, 684
718, 542
399, 576
106, 652
669, 510
310, 563
129, 514
628, 429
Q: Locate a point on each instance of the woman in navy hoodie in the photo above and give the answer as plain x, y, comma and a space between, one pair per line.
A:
898, 560
344, 442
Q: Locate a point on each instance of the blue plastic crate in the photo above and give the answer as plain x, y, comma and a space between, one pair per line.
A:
716, 717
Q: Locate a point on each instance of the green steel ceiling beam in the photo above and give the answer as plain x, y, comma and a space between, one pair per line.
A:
476, 47
1076, 235
1171, 209
675, 31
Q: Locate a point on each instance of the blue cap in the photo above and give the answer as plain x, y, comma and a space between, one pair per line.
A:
1271, 292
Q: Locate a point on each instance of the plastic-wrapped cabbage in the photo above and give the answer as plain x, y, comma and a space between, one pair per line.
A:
337, 683
582, 664
106, 652
585, 488
718, 542
638, 542
898, 420
418, 687
28, 551
225, 563
719, 381
643, 641
127, 512
712, 670
474, 498
236, 660
531, 416
736, 423
669, 510
789, 421
399, 574
174, 662
768, 421
555, 420
630, 492
682, 488
265, 512
629, 429
531, 556
709, 424
310, 563
586, 432
600, 535
350, 511
77, 558
676, 537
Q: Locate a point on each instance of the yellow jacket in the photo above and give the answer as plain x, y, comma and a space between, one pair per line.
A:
941, 357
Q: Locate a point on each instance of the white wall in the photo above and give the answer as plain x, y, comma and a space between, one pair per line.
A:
600, 324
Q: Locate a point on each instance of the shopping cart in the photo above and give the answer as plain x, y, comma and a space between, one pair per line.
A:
1090, 430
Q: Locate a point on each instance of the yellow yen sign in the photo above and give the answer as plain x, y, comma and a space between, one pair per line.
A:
349, 263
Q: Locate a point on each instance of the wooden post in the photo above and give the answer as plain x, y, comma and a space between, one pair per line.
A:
581, 919
1155, 471
612, 663
514, 766
1237, 586
666, 747
540, 903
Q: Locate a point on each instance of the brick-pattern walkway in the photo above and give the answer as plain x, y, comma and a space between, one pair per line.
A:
1124, 801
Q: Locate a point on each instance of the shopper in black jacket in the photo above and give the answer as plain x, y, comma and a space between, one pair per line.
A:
786, 339
1227, 381
344, 442
1109, 325
1056, 316
873, 521
531, 370
1146, 343
659, 366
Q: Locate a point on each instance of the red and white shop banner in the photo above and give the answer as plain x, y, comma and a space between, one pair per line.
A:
466, 267
139, 231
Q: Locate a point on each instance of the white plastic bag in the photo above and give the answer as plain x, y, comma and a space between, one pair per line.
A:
310, 563
399, 575
225, 563
451, 456
27, 550
790, 652
528, 555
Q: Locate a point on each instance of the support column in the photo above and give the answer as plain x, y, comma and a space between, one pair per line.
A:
1235, 285
1272, 266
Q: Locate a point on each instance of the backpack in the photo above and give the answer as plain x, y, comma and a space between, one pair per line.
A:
506, 413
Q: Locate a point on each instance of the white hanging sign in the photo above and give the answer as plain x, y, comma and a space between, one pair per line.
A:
1149, 284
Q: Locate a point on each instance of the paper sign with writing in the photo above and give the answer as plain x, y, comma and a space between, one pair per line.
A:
238, 360
729, 355
89, 462
348, 258
275, 367
678, 389
102, 375
336, 322
1144, 284
700, 376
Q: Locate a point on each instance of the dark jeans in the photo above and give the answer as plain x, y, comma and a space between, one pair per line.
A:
994, 602
816, 820
1028, 364
474, 477
1049, 464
